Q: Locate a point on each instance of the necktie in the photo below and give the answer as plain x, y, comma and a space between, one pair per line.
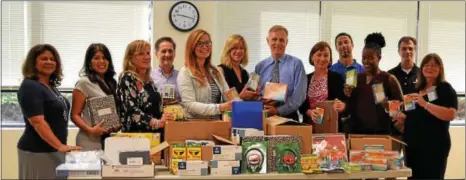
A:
276, 73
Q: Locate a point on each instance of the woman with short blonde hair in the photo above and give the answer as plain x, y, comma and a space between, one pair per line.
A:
200, 83
234, 59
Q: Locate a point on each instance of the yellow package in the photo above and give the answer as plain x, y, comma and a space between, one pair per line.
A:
154, 138
178, 151
174, 166
176, 110
193, 151
310, 164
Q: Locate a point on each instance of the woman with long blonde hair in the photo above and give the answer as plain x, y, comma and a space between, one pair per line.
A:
140, 102
200, 83
234, 58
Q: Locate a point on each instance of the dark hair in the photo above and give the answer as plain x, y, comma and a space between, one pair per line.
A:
319, 47
343, 34
421, 79
163, 39
407, 39
29, 66
376, 42
109, 86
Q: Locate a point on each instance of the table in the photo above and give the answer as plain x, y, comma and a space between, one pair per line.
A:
163, 173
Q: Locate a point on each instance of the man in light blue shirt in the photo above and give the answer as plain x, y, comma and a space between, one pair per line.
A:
344, 45
285, 69
166, 74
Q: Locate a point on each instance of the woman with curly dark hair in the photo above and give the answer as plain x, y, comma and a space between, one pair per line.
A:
45, 112
369, 99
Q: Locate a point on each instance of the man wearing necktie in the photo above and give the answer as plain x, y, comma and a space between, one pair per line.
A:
285, 69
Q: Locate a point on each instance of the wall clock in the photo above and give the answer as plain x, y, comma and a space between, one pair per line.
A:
184, 16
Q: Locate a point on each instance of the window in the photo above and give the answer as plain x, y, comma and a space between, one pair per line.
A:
252, 20
70, 26
393, 19
442, 27
11, 111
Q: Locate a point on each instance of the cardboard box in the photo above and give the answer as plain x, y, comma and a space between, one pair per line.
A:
193, 168
128, 171
330, 119
196, 130
180, 131
281, 126
224, 167
359, 142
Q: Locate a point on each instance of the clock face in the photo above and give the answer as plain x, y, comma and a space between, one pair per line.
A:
184, 16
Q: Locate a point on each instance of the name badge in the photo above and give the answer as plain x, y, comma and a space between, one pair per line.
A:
432, 94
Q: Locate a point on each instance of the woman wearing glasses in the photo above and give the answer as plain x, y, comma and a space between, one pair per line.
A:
200, 83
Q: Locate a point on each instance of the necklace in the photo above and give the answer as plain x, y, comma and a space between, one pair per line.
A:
62, 100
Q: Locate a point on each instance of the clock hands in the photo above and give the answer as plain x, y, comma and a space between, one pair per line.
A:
185, 16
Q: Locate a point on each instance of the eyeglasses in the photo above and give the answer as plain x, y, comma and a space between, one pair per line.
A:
431, 65
204, 43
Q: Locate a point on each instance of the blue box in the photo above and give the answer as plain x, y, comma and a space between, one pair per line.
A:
247, 114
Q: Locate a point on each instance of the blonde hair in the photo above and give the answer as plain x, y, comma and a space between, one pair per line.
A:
278, 28
190, 58
136, 46
229, 45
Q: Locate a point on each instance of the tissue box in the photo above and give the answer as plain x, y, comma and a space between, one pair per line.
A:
78, 170
224, 167
227, 153
193, 168
239, 133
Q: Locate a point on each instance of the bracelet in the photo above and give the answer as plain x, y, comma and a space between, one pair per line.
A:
427, 106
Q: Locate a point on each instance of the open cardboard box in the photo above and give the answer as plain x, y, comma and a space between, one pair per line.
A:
180, 131
359, 141
330, 119
281, 126
133, 171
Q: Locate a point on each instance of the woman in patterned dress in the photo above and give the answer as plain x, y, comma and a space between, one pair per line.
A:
140, 102
323, 84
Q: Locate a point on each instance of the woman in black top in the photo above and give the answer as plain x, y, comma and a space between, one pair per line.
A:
141, 104
427, 126
234, 58
45, 113
322, 84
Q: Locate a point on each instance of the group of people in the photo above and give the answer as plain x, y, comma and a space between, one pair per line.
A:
200, 87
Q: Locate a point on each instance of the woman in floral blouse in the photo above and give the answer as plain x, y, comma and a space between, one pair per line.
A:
141, 104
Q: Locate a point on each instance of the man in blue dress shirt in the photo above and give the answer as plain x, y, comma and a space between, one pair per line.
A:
346, 61
166, 73
285, 69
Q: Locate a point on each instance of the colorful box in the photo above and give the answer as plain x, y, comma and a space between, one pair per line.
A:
193, 151
320, 115
178, 151
176, 110
254, 155
310, 164
352, 77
